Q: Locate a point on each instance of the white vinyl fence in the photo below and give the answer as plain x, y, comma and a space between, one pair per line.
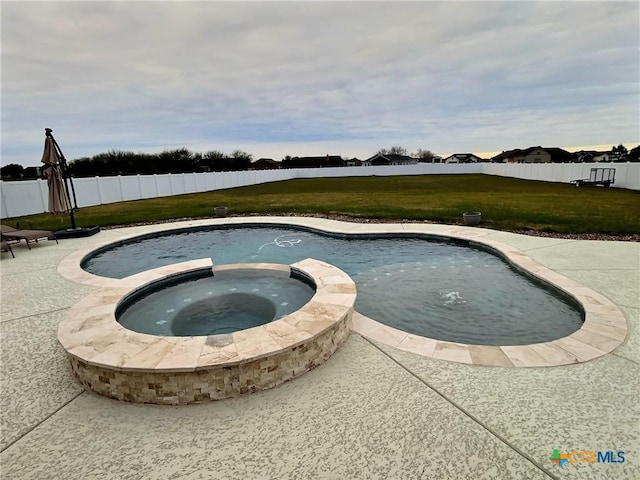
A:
30, 196
627, 174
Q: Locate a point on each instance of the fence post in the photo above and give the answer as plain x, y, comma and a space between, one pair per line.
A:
4, 213
43, 199
99, 190
121, 189
3, 202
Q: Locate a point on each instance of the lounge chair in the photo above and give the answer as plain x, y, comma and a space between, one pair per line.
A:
6, 247
11, 233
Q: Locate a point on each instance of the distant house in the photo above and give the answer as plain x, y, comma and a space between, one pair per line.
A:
463, 158
390, 159
547, 155
353, 162
537, 155
265, 164
592, 156
314, 162
509, 156
534, 155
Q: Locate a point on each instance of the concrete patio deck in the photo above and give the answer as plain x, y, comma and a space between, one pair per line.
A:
371, 411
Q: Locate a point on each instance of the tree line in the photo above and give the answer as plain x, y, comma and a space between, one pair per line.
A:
180, 160
116, 162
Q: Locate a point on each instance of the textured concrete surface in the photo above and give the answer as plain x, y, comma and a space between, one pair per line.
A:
356, 416
35, 380
370, 412
631, 348
566, 405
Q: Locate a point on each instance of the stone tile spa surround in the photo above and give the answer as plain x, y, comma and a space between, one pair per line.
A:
113, 361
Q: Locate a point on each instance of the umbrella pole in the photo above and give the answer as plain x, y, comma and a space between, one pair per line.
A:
65, 176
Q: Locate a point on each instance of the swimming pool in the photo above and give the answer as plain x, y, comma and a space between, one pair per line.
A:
437, 289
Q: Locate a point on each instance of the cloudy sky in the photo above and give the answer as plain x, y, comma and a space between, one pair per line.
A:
316, 78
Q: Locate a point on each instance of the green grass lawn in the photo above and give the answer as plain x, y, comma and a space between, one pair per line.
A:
505, 203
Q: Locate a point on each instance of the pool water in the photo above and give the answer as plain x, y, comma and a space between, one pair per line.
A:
435, 289
224, 302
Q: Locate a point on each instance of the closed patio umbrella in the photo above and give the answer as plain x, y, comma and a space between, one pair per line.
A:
58, 198
60, 195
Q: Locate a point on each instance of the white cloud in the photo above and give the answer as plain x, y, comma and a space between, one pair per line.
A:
291, 77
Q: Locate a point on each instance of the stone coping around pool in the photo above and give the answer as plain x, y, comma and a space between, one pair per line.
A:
604, 329
115, 362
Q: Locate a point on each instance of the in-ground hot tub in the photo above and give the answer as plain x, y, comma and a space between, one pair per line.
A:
204, 302
182, 362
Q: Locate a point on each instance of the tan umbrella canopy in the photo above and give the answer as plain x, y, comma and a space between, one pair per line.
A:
60, 195
58, 199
